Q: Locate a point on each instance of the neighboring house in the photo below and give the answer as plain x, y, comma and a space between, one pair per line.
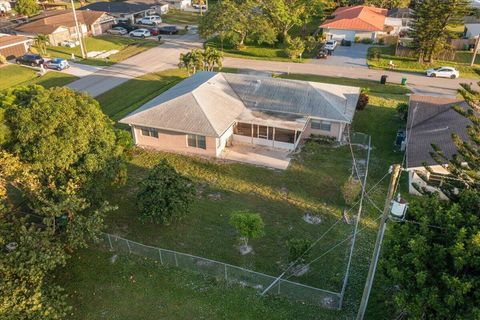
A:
472, 30
128, 10
13, 46
180, 4
59, 25
355, 22
431, 120
5, 6
400, 19
209, 111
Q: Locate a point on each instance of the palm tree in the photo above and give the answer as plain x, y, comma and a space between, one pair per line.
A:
40, 41
212, 57
192, 61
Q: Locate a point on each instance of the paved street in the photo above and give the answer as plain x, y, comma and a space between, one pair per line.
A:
156, 59
417, 83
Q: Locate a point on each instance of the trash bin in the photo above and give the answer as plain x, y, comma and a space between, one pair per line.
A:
404, 81
383, 79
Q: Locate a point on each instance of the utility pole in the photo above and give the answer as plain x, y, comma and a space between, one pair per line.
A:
477, 41
77, 29
396, 170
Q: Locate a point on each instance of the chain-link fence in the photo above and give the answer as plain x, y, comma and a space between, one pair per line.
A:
225, 271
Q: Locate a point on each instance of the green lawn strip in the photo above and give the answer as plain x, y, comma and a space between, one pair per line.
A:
256, 52
403, 64
127, 47
136, 289
130, 95
13, 75
181, 17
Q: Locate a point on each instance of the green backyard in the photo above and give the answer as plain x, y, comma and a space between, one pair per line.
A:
13, 75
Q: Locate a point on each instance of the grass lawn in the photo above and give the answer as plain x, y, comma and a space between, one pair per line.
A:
13, 75
462, 63
128, 47
312, 183
181, 17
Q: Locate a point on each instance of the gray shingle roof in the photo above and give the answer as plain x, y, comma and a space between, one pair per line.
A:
208, 103
433, 121
117, 7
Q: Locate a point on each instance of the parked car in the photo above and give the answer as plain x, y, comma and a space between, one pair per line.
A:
322, 54
140, 33
30, 59
127, 26
153, 31
57, 64
70, 43
331, 45
443, 72
168, 30
346, 43
150, 20
118, 30
198, 6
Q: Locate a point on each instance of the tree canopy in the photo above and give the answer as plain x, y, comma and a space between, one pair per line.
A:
27, 7
165, 195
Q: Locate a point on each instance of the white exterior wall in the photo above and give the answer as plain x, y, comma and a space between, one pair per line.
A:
414, 178
337, 34
222, 141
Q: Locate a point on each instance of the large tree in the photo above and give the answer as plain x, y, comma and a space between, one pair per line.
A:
431, 21
388, 4
27, 7
433, 263
64, 136
235, 21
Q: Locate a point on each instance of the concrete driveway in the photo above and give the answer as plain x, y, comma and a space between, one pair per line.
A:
354, 56
156, 59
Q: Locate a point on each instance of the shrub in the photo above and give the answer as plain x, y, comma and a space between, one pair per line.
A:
164, 195
402, 110
3, 60
249, 225
363, 100
294, 47
374, 53
351, 189
366, 41
381, 41
297, 250
357, 39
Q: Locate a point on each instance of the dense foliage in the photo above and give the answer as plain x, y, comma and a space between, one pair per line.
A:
206, 60
298, 250
249, 225
59, 151
434, 263
165, 195
27, 7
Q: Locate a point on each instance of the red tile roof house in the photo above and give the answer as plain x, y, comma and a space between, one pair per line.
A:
59, 25
358, 21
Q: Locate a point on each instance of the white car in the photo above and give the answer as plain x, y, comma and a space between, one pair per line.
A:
331, 45
118, 30
70, 43
443, 72
140, 33
150, 20
198, 6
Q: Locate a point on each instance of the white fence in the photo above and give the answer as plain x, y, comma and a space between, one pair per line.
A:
226, 272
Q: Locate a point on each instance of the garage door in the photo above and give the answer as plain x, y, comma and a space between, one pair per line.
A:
342, 34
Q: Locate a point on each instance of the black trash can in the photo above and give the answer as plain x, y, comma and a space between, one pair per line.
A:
383, 79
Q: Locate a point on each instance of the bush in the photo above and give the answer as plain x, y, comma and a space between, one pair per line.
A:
294, 47
297, 250
357, 39
381, 41
351, 189
3, 60
165, 195
366, 41
402, 110
374, 53
248, 224
363, 100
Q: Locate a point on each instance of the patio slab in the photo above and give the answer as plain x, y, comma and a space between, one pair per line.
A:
258, 155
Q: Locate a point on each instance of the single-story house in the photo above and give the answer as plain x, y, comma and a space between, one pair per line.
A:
472, 30
13, 46
127, 9
431, 121
210, 111
180, 4
355, 22
399, 19
59, 25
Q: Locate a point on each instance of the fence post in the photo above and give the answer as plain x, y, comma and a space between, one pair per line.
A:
226, 278
279, 282
160, 254
109, 241
128, 245
175, 256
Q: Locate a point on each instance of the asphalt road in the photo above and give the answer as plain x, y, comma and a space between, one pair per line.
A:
416, 82
156, 59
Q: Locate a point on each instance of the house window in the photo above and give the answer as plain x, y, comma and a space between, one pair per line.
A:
321, 125
150, 132
197, 141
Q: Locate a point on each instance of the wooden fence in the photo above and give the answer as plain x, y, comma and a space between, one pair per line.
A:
445, 55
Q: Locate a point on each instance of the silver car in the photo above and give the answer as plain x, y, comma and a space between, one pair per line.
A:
118, 31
